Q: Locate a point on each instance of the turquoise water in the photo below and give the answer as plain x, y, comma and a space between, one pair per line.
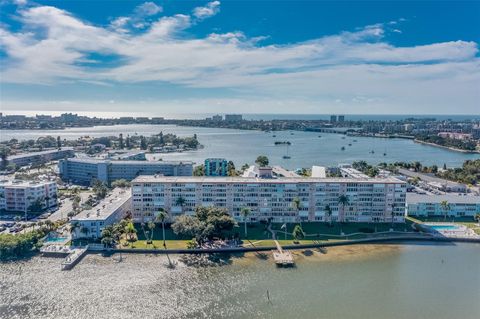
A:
242, 146
444, 227
56, 239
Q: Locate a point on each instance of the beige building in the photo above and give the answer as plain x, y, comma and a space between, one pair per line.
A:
369, 200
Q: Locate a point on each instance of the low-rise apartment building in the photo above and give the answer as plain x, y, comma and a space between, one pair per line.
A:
216, 167
22, 196
90, 223
369, 200
83, 170
40, 157
431, 205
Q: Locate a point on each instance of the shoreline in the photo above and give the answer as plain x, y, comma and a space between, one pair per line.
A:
386, 240
453, 149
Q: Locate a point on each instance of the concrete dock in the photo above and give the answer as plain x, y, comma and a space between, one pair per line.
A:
281, 257
74, 257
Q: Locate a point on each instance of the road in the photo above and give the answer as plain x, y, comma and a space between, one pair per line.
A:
66, 207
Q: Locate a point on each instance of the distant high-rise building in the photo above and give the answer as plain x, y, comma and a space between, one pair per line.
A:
233, 117
69, 117
216, 167
341, 118
217, 118
333, 118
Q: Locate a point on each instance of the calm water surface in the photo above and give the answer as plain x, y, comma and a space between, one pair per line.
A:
242, 147
415, 281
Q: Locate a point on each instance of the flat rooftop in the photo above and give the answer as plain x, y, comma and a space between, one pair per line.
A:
413, 198
17, 183
88, 160
106, 207
39, 153
428, 178
282, 180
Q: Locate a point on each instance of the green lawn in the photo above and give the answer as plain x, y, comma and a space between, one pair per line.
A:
258, 231
158, 244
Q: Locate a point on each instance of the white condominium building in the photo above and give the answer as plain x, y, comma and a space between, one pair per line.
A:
41, 157
90, 223
369, 200
84, 170
22, 196
441, 205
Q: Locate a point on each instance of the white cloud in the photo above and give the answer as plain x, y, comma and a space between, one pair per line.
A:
358, 67
148, 9
211, 9
139, 19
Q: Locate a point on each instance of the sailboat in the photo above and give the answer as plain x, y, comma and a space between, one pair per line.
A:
286, 156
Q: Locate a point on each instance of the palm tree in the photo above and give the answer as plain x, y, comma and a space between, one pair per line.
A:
297, 205
161, 216
145, 232
180, 202
298, 233
245, 211
49, 224
343, 200
130, 230
108, 236
445, 207
328, 212
151, 228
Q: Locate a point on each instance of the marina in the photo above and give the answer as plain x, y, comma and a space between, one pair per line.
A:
306, 148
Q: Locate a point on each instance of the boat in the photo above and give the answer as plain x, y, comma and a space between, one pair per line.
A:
274, 136
282, 143
319, 136
343, 148
372, 152
349, 144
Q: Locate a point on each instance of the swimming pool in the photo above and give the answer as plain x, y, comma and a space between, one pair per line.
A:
56, 239
444, 227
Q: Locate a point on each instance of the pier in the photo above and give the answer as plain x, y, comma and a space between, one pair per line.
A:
281, 257
74, 257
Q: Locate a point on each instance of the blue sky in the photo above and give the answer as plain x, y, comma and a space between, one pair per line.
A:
163, 57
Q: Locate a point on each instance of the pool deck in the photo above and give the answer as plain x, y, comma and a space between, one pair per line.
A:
455, 230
